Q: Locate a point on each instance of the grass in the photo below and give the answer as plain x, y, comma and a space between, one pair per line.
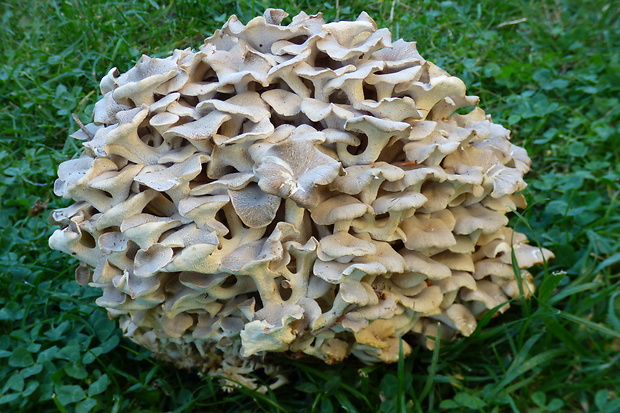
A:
548, 70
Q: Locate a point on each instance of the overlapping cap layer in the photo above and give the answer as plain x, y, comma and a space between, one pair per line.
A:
303, 188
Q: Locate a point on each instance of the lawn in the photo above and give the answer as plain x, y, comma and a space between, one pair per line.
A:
548, 70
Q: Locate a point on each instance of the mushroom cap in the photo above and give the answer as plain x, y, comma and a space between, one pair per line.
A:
338, 208
424, 232
343, 246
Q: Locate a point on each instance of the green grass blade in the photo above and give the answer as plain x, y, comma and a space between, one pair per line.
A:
400, 406
432, 369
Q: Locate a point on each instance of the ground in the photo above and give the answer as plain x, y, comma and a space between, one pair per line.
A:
547, 70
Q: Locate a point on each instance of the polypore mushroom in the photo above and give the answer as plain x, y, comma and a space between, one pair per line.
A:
302, 188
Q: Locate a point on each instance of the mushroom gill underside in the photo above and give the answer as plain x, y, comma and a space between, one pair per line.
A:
304, 188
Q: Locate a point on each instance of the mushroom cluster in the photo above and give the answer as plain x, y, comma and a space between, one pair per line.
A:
304, 188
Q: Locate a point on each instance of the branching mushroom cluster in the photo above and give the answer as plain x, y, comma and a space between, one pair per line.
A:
302, 188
